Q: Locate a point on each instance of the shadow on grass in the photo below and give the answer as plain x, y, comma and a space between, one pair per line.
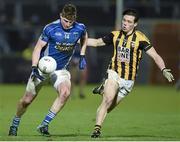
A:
104, 136
80, 136
138, 137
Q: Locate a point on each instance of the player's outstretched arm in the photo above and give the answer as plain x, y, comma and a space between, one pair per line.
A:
95, 42
160, 63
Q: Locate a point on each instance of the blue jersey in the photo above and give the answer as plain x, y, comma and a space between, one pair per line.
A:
61, 42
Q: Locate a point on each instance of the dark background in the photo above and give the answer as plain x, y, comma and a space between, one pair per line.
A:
21, 22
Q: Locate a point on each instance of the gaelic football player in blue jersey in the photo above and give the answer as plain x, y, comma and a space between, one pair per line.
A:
58, 40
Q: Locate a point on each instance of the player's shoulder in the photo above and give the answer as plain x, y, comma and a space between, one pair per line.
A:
115, 32
80, 26
52, 25
141, 35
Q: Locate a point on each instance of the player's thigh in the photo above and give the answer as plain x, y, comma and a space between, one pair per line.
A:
111, 84
110, 89
61, 78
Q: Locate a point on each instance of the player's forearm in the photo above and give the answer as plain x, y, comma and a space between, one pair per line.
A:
84, 44
159, 62
35, 56
83, 50
95, 42
92, 42
157, 59
36, 52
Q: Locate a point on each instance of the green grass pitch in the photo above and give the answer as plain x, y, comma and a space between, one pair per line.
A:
148, 113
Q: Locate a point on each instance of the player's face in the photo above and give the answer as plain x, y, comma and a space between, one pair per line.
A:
128, 24
66, 23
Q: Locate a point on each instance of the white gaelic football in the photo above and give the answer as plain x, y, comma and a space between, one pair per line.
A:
47, 64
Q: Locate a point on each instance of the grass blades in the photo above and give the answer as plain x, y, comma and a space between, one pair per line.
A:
149, 113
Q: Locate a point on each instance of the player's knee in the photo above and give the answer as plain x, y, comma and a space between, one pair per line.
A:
63, 98
25, 102
111, 107
64, 91
108, 100
64, 94
27, 99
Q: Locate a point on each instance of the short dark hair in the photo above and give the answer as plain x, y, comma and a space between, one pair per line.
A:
69, 11
132, 12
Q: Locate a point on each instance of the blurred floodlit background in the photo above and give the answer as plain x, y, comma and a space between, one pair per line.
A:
21, 22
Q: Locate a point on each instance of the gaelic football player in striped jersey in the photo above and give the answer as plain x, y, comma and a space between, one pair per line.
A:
129, 43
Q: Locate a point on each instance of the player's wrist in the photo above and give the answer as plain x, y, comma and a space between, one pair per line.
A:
82, 56
34, 67
163, 69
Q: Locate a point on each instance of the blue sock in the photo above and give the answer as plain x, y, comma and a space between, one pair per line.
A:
49, 117
16, 121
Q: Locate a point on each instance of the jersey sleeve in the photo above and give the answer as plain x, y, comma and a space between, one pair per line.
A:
144, 44
108, 39
84, 30
45, 34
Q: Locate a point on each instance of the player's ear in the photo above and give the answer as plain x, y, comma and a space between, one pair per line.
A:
135, 24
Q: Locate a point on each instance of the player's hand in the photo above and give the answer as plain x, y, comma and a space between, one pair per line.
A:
167, 74
82, 62
35, 73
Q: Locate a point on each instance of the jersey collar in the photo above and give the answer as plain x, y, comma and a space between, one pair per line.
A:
125, 34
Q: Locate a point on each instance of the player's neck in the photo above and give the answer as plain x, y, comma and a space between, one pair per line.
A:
130, 32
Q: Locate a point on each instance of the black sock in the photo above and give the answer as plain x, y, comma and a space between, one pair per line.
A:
97, 127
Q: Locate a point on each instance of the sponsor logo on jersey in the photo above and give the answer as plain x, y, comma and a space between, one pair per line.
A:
123, 54
64, 46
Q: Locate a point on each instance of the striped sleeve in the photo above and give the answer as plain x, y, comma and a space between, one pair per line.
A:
144, 43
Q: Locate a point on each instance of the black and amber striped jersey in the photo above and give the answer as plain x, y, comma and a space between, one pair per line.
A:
127, 52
